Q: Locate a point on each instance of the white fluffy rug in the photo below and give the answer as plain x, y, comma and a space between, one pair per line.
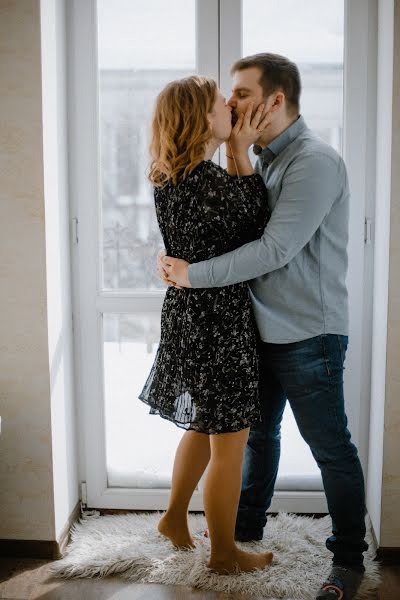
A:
130, 546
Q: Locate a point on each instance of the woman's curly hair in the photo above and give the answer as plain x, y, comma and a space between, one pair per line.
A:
180, 128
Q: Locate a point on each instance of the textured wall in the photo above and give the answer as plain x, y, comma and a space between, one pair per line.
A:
26, 482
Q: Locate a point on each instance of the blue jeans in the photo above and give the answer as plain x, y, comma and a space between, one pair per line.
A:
310, 375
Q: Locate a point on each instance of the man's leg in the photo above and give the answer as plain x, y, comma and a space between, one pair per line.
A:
311, 373
261, 457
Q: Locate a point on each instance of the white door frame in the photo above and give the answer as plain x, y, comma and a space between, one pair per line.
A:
89, 304
361, 25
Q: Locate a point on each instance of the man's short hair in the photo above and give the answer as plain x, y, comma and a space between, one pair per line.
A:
277, 73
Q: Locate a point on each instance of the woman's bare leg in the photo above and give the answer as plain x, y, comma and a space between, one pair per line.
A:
221, 499
191, 459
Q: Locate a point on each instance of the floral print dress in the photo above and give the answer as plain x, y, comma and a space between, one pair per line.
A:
205, 373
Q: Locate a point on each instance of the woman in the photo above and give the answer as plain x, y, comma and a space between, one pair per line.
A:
205, 374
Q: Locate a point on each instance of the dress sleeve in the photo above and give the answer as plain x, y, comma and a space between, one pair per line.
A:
236, 206
251, 206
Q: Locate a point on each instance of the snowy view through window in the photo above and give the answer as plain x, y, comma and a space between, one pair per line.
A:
142, 46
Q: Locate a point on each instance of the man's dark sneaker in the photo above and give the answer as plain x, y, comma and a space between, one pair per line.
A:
341, 584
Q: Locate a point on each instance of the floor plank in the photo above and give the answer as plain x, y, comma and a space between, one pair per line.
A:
28, 579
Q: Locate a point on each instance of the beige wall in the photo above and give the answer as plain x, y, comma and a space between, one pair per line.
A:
38, 445
58, 268
390, 516
26, 480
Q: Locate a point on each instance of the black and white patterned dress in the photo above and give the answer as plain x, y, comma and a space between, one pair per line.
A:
205, 373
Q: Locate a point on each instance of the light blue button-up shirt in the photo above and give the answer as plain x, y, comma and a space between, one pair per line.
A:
297, 269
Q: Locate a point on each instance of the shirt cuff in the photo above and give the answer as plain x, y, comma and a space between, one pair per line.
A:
199, 275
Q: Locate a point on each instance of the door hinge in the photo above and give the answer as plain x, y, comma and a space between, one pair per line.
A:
75, 237
368, 231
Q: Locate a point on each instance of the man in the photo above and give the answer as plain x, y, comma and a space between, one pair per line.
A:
297, 276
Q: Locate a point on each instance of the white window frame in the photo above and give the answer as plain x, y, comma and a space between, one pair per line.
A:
214, 59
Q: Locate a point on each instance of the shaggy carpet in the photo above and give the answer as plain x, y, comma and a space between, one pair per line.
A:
130, 546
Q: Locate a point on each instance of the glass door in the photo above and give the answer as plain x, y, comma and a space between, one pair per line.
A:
141, 47
311, 33
126, 51
121, 54
332, 45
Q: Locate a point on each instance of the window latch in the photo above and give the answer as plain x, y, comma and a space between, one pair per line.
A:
75, 238
368, 231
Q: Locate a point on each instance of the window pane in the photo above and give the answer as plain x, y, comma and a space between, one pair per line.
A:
141, 47
310, 33
140, 447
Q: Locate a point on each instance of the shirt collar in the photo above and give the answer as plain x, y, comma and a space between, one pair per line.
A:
284, 139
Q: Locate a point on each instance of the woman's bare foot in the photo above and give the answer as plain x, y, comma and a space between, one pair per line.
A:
240, 561
177, 531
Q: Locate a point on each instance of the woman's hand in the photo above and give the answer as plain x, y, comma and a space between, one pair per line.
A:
247, 130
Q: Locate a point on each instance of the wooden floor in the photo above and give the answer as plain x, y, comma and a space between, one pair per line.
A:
28, 579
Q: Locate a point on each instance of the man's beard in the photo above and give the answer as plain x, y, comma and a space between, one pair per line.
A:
234, 118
